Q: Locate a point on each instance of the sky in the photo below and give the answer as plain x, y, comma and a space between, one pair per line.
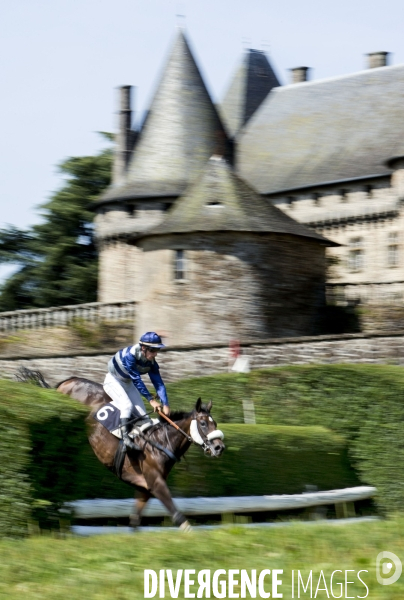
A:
62, 61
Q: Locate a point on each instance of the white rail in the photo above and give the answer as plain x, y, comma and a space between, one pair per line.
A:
99, 508
38, 318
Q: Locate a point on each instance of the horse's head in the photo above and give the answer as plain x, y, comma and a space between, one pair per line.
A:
203, 430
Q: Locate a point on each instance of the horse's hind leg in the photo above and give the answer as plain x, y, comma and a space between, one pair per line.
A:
135, 518
160, 490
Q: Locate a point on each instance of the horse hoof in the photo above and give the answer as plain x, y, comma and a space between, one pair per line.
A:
185, 526
134, 521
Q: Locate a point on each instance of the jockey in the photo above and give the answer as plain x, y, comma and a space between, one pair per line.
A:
124, 385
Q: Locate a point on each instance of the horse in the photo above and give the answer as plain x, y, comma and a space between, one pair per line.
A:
148, 469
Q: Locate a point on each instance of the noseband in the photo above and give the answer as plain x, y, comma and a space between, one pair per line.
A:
199, 438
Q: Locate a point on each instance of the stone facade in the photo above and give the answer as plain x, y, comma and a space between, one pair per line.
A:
367, 219
235, 286
330, 154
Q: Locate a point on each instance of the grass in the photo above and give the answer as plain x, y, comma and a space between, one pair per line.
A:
112, 567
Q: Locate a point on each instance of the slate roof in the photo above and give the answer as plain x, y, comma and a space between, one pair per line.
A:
180, 133
324, 131
251, 84
220, 201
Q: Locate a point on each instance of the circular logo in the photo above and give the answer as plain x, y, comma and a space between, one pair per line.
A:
384, 568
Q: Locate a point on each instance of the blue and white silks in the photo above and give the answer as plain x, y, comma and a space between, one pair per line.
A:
129, 364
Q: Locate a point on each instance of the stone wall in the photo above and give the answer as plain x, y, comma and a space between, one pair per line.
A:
235, 284
185, 362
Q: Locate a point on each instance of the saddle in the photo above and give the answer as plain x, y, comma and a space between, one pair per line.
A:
109, 416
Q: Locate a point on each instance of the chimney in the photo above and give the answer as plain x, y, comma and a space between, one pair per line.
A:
124, 135
299, 74
377, 59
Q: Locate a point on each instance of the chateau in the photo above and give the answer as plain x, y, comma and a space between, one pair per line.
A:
219, 218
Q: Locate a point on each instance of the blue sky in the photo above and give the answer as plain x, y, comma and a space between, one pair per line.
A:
62, 61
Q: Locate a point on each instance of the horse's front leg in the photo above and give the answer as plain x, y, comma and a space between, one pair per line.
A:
160, 490
134, 519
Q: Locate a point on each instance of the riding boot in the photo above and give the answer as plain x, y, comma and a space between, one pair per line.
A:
129, 443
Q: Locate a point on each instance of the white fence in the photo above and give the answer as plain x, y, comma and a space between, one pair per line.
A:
38, 318
99, 508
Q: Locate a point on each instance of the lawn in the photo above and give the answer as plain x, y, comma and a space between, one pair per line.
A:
112, 567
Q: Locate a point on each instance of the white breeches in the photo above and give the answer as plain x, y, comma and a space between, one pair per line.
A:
125, 396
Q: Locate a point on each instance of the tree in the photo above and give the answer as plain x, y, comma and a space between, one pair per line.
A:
57, 259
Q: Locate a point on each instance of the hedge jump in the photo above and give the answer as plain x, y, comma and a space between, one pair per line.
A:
100, 508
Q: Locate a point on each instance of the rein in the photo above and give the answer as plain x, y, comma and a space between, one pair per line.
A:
189, 438
195, 437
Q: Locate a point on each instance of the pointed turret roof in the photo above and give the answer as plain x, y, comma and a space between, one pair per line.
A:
220, 201
179, 134
251, 84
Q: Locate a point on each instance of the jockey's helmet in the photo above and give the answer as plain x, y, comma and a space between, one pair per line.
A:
152, 340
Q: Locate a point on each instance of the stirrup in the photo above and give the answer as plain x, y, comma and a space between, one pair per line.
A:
131, 445
127, 441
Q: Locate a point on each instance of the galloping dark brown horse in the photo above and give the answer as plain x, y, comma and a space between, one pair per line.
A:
148, 470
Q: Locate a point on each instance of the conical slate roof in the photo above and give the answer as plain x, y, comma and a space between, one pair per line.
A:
181, 131
221, 201
251, 84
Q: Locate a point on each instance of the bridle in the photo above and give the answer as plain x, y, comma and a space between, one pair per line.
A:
196, 435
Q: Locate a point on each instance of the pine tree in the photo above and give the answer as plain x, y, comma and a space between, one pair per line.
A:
57, 259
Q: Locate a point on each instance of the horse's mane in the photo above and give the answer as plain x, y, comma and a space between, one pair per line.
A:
178, 415
175, 415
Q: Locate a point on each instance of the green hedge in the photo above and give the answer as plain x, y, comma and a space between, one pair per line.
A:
45, 460
261, 459
363, 403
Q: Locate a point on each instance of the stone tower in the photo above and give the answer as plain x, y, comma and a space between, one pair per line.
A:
153, 167
227, 264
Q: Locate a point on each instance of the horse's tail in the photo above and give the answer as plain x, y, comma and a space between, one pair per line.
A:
25, 375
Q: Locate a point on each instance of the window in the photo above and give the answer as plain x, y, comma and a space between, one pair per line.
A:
393, 249
179, 265
344, 195
356, 254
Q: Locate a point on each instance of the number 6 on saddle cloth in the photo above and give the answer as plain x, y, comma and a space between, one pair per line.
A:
109, 416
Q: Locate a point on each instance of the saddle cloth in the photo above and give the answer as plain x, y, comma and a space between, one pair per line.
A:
109, 415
